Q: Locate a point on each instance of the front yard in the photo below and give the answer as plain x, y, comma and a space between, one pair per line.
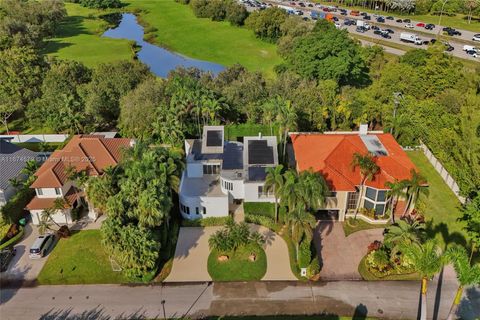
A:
80, 259
442, 208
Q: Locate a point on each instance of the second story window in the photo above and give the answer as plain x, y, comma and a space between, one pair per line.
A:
39, 192
211, 169
57, 191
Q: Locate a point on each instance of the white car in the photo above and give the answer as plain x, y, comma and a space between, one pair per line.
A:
409, 25
476, 37
41, 245
337, 25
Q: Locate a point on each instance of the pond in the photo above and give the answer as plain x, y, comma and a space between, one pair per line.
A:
161, 61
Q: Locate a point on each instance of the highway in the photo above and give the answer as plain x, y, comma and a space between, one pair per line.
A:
457, 42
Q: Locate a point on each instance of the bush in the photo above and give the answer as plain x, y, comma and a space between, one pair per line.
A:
378, 260
13, 240
305, 255
14, 210
101, 4
236, 14
234, 236
217, 10
183, 1
205, 222
200, 8
266, 24
314, 267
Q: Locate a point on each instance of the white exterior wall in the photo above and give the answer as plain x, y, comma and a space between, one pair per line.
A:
195, 170
58, 217
48, 193
238, 191
215, 206
251, 193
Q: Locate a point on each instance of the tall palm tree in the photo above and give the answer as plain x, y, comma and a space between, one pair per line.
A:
274, 182
428, 260
289, 192
301, 223
29, 170
404, 232
368, 169
467, 274
287, 121
416, 186
395, 192
313, 189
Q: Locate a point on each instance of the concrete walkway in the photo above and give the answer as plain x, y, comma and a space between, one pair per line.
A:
339, 256
191, 255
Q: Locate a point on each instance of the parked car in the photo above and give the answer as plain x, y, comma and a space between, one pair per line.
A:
425, 42
355, 13
406, 21
363, 14
399, 20
448, 47
469, 48
375, 28
390, 18
472, 53
386, 35
41, 245
301, 4
409, 25
389, 31
337, 25
377, 32
349, 22
367, 17
299, 12
430, 26
380, 19
310, 5
476, 37
335, 19
360, 29
421, 25
6, 255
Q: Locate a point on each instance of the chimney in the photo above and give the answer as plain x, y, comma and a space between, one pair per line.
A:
363, 129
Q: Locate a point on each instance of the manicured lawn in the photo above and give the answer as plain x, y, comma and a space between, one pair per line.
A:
79, 259
238, 267
179, 30
367, 275
79, 38
457, 21
350, 226
442, 206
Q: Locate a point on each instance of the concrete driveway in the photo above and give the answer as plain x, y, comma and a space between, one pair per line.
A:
339, 256
191, 255
22, 268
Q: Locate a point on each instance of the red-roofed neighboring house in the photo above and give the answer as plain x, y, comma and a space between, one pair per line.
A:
89, 153
331, 154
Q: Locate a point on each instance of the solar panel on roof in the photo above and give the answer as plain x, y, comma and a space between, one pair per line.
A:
257, 173
259, 152
214, 138
374, 145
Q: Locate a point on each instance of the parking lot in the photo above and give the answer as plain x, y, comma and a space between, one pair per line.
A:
22, 268
305, 8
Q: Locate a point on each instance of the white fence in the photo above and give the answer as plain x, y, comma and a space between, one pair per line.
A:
35, 138
443, 172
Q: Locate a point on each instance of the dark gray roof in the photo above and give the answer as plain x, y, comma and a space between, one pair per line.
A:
198, 155
257, 173
12, 161
232, 156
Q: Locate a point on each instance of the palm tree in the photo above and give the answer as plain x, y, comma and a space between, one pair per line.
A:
428, 260
287, 120
46, 218
29, 170
404, 232
416, 186
395, 192
313, 189
274, 182
301, 223
368, 170
467, 274
289, 191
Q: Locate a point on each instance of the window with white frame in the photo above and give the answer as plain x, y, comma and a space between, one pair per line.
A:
375, 199
352, 199
228, 185
211, 168
57, 191
39, 191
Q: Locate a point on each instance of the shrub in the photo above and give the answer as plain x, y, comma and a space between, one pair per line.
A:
205, 222
233, 236
313, 267
13, 240
378, 260
217, 10
304, 254
14, 210
375, 245
200, 8
236, 14
266, 24
101, 4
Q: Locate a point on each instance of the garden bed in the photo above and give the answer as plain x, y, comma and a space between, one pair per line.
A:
238, 267
367, 275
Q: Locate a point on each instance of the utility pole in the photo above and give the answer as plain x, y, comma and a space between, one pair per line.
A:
396, 100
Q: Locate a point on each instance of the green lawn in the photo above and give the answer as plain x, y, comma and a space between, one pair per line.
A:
442, 206
79, 38
350, 226
238, 267
79, 259
458, 21
179, 30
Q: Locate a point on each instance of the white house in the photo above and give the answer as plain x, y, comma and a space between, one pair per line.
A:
221, 173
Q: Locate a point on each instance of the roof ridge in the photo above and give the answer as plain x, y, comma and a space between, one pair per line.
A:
108, 151
87, 157
344, 138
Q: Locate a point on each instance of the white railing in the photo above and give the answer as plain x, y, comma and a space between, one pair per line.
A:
442, 172
35, 138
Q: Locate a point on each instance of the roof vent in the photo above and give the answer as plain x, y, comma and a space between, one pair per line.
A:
363, 129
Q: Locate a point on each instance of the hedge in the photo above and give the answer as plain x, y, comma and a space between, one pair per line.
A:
205, 222
14, 209
14, 240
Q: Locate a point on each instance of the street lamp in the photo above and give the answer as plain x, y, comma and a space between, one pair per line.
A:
440, 18
163, 306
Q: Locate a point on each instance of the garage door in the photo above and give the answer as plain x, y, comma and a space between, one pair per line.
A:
327, 215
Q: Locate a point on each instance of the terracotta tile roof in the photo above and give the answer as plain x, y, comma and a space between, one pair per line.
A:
44, 203
92, 153
331, 154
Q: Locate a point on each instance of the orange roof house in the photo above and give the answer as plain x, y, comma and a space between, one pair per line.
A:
89, 153
332, 154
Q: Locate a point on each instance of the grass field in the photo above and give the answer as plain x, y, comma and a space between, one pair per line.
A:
458, 21
350, 226
442, 206
179, 30
79, 259
238, 267
79, 38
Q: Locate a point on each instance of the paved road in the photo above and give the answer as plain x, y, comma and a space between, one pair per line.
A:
398, 28
375, 299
